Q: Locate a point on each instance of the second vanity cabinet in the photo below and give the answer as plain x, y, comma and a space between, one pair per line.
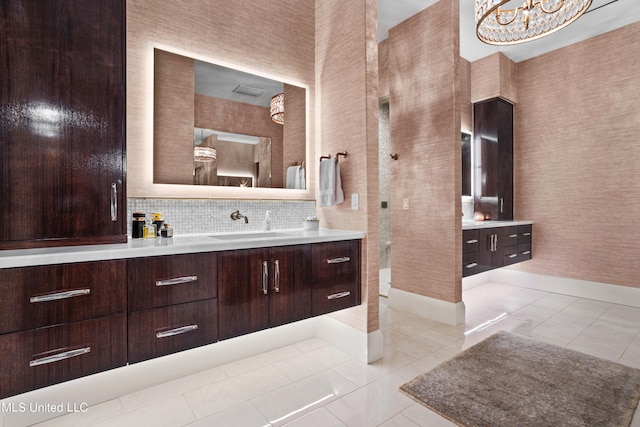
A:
262, 288
60, 322
172, 304
488, 248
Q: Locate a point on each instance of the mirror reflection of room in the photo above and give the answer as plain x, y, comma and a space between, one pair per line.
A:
216, 126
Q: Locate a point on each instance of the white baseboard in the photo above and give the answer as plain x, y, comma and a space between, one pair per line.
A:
614, 294
435, 309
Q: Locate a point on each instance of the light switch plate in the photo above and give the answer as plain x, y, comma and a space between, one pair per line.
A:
405, 204
354, 202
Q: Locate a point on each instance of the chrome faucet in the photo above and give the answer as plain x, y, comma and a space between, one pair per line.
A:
237, 215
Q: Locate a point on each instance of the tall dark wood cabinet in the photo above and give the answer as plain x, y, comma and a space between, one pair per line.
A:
493, 142
62, 123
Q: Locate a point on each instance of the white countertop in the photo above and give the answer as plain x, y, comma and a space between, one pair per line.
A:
470, 225
180, 244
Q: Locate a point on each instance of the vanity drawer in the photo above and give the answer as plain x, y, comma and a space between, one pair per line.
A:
161, 331
166, 280
524, 251
471, 264
470, 241
510, 254
45, 356
509, 236
335, 294
334, 259
524, 233
40, 296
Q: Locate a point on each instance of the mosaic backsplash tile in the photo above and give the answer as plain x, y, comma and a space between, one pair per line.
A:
189, 216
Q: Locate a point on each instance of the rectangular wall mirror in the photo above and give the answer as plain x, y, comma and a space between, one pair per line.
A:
465, 141
213, 125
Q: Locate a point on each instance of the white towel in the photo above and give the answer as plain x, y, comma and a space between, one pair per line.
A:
293, 173
302, 182
329, 182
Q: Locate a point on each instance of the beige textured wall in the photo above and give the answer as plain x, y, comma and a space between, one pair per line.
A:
233, 34
577, 158
347, 113
424, 86
383, 68
494, 76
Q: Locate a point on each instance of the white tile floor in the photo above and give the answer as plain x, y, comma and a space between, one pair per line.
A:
313, 384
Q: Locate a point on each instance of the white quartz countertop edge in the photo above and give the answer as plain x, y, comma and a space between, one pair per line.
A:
471, 225
180, 244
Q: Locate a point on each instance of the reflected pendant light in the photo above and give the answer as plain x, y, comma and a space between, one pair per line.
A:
204, 154
277, 108
532, 20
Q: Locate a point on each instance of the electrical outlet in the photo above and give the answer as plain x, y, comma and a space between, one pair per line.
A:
405, 204
354, 202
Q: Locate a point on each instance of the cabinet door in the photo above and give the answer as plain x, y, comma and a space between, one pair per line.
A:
62, 123
290, 284
493, 139
243, 292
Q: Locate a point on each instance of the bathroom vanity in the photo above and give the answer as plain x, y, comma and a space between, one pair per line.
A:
492, 244
74, 311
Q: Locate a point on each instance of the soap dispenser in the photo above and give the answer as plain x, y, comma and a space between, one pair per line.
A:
266, 224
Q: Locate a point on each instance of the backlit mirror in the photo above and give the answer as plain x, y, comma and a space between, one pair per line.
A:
213, 125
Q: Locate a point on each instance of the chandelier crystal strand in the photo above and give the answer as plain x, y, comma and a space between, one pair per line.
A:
532, 20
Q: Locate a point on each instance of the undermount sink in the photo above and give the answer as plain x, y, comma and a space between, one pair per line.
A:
250, 236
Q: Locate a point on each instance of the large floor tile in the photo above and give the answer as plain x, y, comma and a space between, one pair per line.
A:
243, 415
311, 362
169, 413
318, 418
424, 417
94, 415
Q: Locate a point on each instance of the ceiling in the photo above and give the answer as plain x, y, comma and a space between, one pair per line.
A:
602, 16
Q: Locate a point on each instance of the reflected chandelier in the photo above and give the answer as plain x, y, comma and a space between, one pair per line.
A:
277, 108
532, 20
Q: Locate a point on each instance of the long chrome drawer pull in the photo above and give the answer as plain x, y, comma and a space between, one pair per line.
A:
176, 331
338, 260
276, 277
60, 295
526, 234
60, 356
513, 235
114, 202
513, 255
472, 241
473, 264
176, 281
265, 277
339, 295
526, 252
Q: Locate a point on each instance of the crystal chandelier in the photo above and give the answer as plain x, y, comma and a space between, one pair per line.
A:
277, 108
204, 154
532, 20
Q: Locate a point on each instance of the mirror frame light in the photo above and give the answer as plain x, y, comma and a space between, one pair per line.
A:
142, 157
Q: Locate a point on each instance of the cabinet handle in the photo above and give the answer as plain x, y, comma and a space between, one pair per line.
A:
526, 234
60, 356
276, 274
176, 331
338, 260
526, 252
513, 235
114, 202
473, 264
60, 295
339, 295
265, 277
176, 280
501, 205
512, 255
472, 241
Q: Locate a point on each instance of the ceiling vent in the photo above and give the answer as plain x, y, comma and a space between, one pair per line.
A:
248, 90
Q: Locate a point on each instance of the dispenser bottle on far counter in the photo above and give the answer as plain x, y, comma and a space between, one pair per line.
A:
266, 224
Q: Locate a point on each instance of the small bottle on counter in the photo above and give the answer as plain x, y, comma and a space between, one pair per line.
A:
158, 221
150, 231
137, 225
166, 231
266, 224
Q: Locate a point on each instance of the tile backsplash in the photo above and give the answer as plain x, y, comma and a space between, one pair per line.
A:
192, 216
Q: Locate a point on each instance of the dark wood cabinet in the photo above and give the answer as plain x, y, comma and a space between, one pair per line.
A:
336, 276
484, 249
62, 123
172, 304
59, 322
493, 142
261, 288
